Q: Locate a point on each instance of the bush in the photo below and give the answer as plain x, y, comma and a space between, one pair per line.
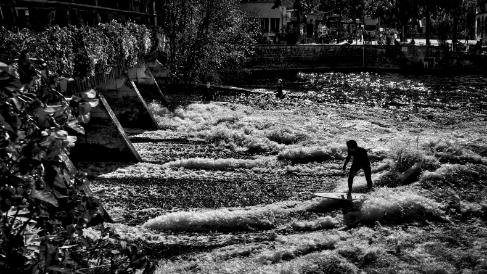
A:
72, 51
405, 158
44, 201
406, 167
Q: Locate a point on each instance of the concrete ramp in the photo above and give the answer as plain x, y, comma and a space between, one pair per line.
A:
105, 139
128, 104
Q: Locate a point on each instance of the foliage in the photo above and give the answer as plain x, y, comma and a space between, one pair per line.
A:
446, 15
205, 36
45, 203
81, 51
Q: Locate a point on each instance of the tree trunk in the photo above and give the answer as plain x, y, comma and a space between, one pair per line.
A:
404, 31
428, 27
455, 26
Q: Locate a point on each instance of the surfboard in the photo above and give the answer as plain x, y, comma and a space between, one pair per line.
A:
340, 196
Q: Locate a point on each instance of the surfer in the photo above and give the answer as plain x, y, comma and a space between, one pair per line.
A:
360, 161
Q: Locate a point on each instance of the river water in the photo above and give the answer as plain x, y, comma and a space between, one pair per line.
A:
467, 92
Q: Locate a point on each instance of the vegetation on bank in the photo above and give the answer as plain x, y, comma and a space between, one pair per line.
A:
45, 202
205, 37
81, 51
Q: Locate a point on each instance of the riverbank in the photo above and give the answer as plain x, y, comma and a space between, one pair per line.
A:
404, 58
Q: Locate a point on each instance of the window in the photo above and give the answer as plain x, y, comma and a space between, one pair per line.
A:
275, 25
264, 25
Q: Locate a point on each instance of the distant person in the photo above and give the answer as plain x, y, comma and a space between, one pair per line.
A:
412, 42
478, 47
279, 91
360, 161
208, 96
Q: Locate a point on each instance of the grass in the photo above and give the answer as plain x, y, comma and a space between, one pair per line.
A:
405, 166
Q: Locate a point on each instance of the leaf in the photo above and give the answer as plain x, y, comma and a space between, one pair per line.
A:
90, 94
74, 125
21, 212
52, 109
84, 108
16, 102
85, 118
61, 134
59, 269
93, 102
45, 196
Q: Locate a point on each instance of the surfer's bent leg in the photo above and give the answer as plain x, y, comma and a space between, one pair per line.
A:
367, 172
353, 171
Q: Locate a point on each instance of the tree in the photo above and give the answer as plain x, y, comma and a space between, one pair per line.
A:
428, 7
395, 12
454, 8
205, 36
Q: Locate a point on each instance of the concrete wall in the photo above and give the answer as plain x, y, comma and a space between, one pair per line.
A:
281, 57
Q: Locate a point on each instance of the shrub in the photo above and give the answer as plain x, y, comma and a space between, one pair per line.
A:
44, 201
72, 51
406, 167
405, 158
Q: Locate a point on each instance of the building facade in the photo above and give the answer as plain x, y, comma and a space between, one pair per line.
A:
481, 20
272, 20
39, 13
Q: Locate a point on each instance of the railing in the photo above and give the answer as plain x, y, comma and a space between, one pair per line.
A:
127, 9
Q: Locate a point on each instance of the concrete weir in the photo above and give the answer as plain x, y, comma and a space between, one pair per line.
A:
128, 104
105, 139
123, 96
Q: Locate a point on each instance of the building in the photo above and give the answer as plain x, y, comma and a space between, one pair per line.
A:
39, 13
481, 20
272, 21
